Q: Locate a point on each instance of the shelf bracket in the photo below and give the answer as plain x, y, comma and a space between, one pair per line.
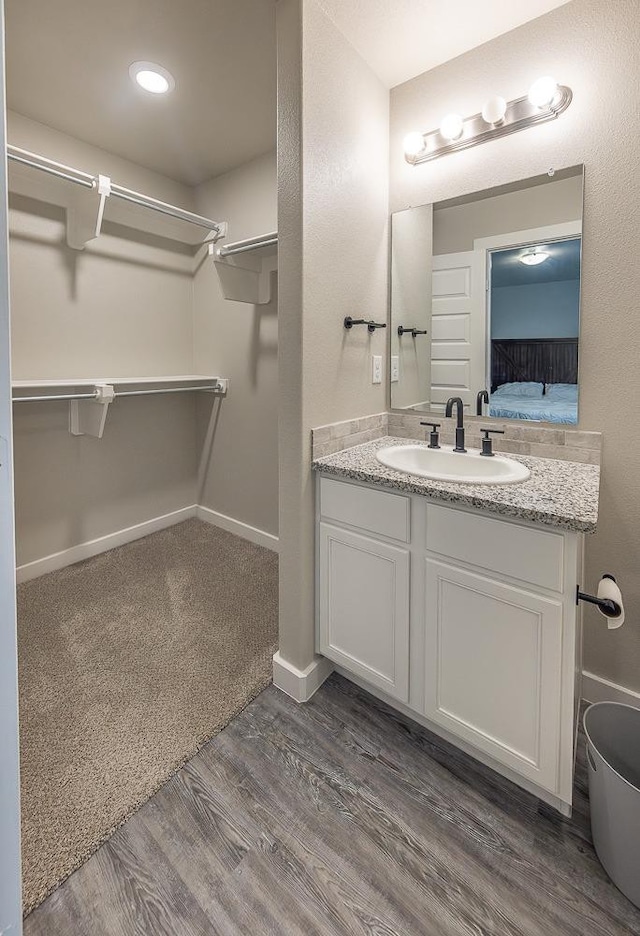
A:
88, 417
221, 231
84, 215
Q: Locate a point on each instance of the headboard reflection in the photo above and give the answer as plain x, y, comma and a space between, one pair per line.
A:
544, 360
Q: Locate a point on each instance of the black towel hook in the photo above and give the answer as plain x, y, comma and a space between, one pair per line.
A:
412, 330
371, 325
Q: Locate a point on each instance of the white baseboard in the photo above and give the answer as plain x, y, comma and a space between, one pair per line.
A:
598, 689
65, 557
300, 684
253, 534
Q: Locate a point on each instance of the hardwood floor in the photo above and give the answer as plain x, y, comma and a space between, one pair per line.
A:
340, 817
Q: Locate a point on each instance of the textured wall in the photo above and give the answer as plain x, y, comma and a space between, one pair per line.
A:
121, 307
333, 203
238, 438
345, 222
129, 306
72, 489
47, 141
295, 501
592, 47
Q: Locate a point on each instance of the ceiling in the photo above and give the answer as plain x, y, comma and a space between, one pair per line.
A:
67, 67
403, 38
562, 264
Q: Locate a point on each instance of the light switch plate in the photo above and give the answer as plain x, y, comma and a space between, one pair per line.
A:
376, 368
395, 368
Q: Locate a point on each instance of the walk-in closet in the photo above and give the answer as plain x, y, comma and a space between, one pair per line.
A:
143, 281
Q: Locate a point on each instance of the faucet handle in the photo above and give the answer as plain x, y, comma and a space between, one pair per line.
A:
487, 446
434, 440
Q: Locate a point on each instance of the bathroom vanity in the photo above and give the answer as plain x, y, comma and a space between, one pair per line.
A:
456, 604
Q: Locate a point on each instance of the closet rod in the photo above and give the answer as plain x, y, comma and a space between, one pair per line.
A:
61, 171
49, 166
55, 396
213, 387
124, 393
145, 201
252, 243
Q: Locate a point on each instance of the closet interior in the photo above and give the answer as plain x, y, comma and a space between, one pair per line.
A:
143, 282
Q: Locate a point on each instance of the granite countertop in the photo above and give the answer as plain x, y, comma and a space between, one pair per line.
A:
558, 493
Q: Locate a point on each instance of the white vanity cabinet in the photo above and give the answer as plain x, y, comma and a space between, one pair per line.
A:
464, 620
364, 598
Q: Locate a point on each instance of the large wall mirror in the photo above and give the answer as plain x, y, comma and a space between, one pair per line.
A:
485, 296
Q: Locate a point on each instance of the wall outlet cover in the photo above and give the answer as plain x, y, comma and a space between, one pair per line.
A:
395, 368
376, 368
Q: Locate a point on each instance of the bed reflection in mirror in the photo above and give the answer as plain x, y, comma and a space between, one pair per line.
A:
493, 279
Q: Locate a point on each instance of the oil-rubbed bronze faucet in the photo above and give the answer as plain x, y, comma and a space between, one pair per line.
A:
451, 402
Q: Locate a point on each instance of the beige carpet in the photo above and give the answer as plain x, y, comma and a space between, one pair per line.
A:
129, 662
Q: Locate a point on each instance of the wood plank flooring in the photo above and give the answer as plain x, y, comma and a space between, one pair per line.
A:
340, 817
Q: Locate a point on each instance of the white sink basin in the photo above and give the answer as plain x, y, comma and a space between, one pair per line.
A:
446, 465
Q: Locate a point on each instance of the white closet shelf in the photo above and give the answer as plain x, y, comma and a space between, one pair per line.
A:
103, 199
62, 382
245, 267
90, 398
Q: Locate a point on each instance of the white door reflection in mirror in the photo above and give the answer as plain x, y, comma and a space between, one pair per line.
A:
458, 350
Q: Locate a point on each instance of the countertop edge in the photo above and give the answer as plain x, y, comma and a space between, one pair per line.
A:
410, 486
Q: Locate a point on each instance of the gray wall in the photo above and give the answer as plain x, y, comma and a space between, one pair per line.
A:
130, 305
592, 47
536, 310
333, 260
238, 440
121, 307
553, 202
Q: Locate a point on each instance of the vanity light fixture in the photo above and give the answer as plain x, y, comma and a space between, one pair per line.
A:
545, 100
452, 126
533, 257
494, 110
152, 78
543, 91
414, 144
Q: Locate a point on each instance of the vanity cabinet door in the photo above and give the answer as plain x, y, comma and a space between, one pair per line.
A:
364, 608
493, 668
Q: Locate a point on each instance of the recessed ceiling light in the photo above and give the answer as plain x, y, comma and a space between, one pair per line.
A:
152, 78
533, 257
